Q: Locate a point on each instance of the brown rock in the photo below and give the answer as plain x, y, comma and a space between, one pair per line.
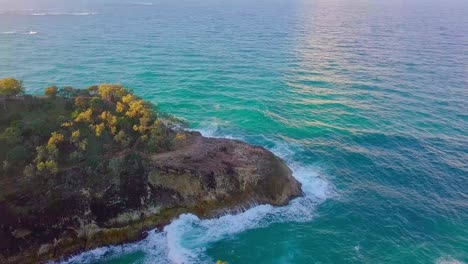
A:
79, 211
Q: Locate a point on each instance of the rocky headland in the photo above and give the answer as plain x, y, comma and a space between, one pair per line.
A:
49, 213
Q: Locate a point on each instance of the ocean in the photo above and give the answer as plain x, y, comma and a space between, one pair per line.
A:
366, 100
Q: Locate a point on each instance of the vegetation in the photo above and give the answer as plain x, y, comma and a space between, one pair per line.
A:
76, 127
51, 91
11, 87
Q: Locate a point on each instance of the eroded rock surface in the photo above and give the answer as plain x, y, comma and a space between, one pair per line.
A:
82, 209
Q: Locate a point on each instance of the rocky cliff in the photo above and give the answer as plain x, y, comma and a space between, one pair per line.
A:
81, 209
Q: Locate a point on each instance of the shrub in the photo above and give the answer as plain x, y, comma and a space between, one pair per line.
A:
99, 129
55, 139
51, 91
96, 103
83, 145
51, 166
181, 137
120, 107
115, 165
75, 135
17, 154
10, 86
75, 156
111, 91
5, 165
81, 102
40, 166
122, 139
29, 171
92, 90
11, 135
86, 116
41, 154
67, 91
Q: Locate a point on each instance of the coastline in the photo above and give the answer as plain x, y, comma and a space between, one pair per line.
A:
127, 228
166, 243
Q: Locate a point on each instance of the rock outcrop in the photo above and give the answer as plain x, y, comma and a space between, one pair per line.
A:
82, 209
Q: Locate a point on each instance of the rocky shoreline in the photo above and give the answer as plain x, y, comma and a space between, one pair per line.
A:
203, 176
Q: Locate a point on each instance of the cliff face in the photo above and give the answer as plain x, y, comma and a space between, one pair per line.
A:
81, 209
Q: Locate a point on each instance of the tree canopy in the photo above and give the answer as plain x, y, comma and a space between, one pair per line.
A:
51, 91
80, 126
10, 87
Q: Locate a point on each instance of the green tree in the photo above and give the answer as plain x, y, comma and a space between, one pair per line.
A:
18, 154
10, 87
67, 91
5, 165
51, 166
29, 171
11, 135
96, 103
122, 139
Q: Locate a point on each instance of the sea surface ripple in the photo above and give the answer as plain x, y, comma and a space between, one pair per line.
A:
367, 101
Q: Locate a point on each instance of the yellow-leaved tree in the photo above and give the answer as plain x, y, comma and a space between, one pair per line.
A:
51, 91
11, 87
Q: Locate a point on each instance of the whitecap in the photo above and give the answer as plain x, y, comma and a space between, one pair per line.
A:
143, 3
357, 248
213, 130
83, 14
65, 14
19, 33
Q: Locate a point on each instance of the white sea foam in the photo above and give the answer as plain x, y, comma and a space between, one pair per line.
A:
19, 33
143, 3
448, 260
186, 238
83, 14
213, 131
65, 14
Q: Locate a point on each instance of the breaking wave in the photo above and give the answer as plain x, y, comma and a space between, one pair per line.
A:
143, 3
65, 14
19, 33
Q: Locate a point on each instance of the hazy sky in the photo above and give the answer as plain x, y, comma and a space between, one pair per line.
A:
87, 4
44, 4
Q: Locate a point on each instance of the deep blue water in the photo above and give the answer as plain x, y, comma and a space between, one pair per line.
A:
366, 100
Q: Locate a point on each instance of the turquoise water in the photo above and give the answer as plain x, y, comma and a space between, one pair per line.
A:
366, 100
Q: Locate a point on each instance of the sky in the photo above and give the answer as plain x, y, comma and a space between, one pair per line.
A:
43, 4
